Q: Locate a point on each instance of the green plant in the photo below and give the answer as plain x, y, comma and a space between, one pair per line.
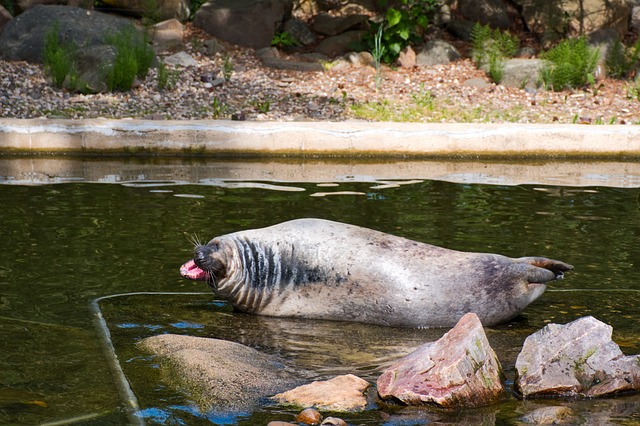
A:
403, 25
570, 64
218, 108
284, 39
166, 78
133, 58
621, 60
490, 47
377, 52
58, 59
227, 68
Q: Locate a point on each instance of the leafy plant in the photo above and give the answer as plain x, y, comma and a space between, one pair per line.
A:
622, 60
570, 64
403, 25
58, 59
490, 47
284, 39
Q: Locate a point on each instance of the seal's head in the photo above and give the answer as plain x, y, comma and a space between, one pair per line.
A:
208, 263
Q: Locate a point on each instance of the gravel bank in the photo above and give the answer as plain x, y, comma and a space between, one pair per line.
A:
441, 94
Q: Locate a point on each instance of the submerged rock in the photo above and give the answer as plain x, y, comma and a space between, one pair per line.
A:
459, 370
342, 393
550, 416
220, 375
576, 359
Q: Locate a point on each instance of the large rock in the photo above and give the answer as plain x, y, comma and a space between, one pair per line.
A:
23, 37
219, 374
157, 10
250, 23
340, 44
459, 370
576, 359
522, 73
437, 52
487, 12
554, 19
342, 393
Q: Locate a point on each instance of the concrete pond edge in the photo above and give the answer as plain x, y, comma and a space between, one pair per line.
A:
319, 139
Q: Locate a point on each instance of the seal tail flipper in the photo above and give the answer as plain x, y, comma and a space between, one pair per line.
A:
555, 266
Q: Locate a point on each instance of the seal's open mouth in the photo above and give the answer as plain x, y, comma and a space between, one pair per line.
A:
191, 271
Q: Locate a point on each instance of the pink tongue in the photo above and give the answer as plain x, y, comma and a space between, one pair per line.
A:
191, 271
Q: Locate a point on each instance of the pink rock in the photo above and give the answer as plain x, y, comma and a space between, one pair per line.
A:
342, 393
459, 370
576, 359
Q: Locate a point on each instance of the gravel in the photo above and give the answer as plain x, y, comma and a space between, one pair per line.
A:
456, 92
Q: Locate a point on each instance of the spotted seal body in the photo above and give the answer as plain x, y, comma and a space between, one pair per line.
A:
313, 268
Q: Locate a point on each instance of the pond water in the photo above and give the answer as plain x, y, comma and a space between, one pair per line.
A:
63, 246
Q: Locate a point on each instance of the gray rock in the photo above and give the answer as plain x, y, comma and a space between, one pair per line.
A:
578, 359
220, 375
461, 28
299, 31
270, 57
167, 35
158, 10
213, 47
487, 12
437, 52
246, 23
329, 25
340, 44
181, 59
458, 370
342, 394
522, 73
23, 37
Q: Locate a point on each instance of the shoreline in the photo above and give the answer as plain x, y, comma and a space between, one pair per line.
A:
310, 139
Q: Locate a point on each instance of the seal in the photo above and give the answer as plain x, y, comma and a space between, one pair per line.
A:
319, 269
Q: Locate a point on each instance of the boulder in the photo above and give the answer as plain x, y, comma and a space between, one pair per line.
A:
458, 370
340, 44
436, 52
219, 374
330, 25
487, 12
167, 35
578, 359
246, 23
299, 31
522, 73
23, 37
342, 393
552, 20
407, 58
556, 415
156, 10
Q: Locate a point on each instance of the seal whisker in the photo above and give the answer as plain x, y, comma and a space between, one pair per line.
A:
194, 240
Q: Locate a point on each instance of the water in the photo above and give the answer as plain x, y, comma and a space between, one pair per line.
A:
64, 245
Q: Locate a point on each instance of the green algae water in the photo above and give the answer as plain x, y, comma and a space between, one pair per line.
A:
63, 246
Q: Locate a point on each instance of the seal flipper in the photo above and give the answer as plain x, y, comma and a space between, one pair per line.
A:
555, 266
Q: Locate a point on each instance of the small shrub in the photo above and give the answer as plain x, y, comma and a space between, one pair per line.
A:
58, 59
570, 64
227, 68
490, 47
622, 60
133, 59
166, 78
377, 52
